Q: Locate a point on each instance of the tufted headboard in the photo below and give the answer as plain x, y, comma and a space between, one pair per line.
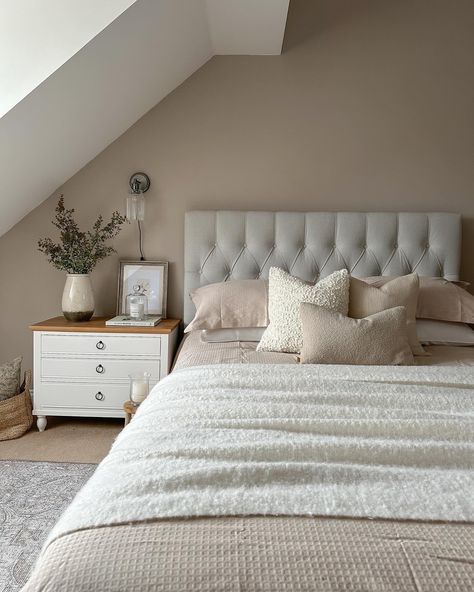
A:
222, 245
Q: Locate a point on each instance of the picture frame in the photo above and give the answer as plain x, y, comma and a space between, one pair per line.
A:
152, 276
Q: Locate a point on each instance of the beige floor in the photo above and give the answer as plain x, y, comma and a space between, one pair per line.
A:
65, 439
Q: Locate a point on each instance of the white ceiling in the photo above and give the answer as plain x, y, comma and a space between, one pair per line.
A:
247, 27
51, 31
93, 97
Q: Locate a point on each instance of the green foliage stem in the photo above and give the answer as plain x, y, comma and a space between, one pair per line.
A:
79, 252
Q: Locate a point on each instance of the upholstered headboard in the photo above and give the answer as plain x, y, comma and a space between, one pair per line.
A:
223, 245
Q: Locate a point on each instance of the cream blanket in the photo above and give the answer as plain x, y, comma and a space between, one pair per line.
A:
386, 442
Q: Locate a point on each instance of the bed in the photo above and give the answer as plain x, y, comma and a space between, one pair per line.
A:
183, 503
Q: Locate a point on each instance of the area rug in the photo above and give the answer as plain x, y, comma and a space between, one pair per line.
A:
32, 497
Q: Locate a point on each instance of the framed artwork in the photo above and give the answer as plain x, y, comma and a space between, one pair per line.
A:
152, 277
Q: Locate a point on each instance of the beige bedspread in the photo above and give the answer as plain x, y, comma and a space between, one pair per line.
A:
264, 553
194, 352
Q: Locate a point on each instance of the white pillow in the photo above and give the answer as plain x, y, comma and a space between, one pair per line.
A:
286, 293
444, 333
232, 334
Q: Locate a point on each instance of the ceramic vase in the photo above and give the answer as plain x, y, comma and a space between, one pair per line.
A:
78, 297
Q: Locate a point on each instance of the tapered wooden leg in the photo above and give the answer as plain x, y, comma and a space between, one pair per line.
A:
41, 422
128, 417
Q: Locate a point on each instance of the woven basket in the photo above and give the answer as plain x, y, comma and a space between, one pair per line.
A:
15, 413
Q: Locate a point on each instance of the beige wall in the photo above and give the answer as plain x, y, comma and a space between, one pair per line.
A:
370, 107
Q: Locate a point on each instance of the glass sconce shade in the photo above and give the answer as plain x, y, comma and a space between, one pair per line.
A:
136, 206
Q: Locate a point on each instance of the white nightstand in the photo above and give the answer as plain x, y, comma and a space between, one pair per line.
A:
81, 369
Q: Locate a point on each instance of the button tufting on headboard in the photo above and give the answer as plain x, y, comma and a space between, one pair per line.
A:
224, 245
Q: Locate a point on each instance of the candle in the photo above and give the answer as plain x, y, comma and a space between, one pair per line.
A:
139, 391
137, 310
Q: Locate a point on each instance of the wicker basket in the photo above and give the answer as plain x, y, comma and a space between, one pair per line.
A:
15, 413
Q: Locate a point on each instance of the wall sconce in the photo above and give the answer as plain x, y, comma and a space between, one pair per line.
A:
139, 184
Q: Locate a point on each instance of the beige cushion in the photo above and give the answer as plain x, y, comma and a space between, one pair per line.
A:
439, 299
236, 303
285, 294
10, 379
368, 299
332, 338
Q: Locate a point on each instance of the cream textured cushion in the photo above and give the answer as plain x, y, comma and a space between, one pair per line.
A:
286, 293
236, 303
10, 379
367, 299
332, 338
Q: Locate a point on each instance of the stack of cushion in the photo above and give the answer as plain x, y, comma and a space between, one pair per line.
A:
340, 319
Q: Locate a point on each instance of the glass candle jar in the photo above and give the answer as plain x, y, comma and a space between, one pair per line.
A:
139, 387
137, 304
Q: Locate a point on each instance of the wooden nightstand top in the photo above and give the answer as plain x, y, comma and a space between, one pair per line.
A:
97, 325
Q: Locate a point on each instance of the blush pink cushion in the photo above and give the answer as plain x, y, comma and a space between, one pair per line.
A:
438, 299
236, 303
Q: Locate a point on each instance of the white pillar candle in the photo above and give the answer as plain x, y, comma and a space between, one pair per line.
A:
139, 391
137, 310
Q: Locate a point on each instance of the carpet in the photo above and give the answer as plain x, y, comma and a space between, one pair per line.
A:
66, 439
32, 497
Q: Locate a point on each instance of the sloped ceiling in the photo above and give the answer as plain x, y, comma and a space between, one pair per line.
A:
83, 104
36, 38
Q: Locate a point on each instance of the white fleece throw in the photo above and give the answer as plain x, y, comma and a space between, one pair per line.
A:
360, 441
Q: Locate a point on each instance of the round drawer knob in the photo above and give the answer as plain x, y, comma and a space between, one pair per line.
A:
100, 369
99, 396
100, 345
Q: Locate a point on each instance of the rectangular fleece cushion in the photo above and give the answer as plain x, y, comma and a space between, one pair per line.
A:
332, 338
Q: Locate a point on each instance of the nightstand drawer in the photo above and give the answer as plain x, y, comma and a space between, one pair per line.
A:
98, 369
85, 396
106, 344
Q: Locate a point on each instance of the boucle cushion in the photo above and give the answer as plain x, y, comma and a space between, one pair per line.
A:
236, 303
10, 379
367, 299
439, 299
286, 293
332, 338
